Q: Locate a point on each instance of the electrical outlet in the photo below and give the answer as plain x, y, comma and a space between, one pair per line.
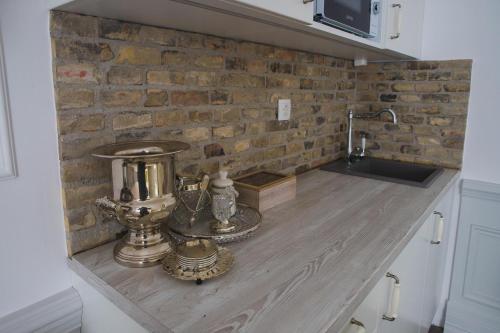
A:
284, 109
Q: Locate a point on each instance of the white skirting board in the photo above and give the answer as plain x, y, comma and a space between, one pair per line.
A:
60, 313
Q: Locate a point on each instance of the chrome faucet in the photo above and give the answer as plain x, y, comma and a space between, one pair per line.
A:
360, 151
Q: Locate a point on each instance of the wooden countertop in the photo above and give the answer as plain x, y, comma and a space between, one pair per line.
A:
307, 269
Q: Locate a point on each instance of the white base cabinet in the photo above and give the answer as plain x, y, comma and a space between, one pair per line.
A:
410, 268
410, 292
100, 315
368, 313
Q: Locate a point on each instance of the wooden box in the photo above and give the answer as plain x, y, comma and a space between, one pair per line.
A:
263, 190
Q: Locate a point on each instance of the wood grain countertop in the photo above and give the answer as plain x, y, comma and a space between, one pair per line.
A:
306, 270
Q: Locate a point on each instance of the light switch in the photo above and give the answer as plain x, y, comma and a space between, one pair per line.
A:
284, 109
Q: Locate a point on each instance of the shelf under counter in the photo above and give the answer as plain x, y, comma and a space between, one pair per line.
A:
303, 271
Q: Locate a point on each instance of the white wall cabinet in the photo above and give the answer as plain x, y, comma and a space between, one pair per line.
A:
418, 271
401, 30
285, 23
295, 9
403, 26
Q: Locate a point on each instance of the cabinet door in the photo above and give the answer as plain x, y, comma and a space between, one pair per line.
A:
431, 294
296, 9
437, 243
368, 313
403, 26
410, 268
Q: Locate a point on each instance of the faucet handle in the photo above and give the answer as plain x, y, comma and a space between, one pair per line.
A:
356, 155
363, 143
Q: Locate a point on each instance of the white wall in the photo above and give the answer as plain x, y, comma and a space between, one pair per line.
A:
464, 29
32, 246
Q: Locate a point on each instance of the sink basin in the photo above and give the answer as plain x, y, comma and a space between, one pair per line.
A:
387, 170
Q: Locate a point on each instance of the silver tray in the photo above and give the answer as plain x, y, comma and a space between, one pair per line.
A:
246, 219
224, 262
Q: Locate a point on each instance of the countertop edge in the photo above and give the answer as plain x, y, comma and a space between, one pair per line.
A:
132, 310
344, 316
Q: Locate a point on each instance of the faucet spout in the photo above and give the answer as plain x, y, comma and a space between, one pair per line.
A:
377, 114
350, 154
394, 117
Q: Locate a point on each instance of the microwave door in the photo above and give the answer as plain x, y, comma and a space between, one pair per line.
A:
352, 15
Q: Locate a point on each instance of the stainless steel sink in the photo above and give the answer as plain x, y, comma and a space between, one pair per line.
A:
391, 171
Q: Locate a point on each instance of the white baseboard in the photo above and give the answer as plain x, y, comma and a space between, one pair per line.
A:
60, 313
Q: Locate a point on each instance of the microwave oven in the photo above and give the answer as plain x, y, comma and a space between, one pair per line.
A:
360, 17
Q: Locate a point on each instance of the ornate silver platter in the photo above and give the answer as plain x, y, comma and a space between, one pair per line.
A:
223, 263
246, 220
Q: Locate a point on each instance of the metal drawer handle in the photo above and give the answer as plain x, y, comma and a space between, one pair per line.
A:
397, 20
357, 323
307, 1
438, 228
354, 326
392, 311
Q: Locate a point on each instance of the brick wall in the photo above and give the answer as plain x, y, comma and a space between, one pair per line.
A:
118, 81
430, 99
